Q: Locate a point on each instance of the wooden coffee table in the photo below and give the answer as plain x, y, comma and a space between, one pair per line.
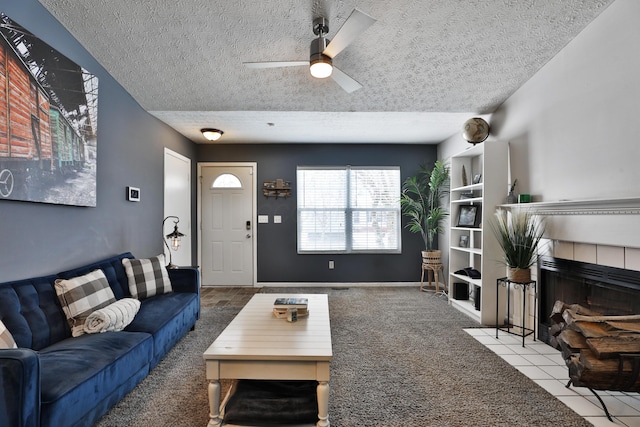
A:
257, 345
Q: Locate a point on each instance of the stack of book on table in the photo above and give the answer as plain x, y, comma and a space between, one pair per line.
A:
282, 306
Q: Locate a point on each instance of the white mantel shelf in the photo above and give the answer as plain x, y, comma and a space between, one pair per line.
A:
623, 206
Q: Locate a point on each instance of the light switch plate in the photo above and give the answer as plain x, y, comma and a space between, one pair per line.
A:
277, 219
263, 219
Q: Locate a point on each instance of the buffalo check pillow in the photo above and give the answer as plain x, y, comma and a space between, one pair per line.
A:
6, 340
81, 296
147, 277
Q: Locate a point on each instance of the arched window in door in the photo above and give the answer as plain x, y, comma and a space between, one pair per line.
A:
226, 180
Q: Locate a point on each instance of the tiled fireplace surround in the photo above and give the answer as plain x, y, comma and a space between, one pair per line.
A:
607, 255
603, 232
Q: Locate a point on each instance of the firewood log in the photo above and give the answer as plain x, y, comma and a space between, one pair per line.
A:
591, 329
559, 308
554, 330
602, 374
576, 312
599, 350
571, 342
601, 326
625, 326
590, 318
574, 339
575, 368
556, 312
611, 347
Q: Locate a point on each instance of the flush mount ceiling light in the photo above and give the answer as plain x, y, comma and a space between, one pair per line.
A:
212, 134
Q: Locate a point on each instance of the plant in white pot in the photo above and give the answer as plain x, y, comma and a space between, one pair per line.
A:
518, 232
421, 201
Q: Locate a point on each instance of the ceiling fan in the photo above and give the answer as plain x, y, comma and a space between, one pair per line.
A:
323, 50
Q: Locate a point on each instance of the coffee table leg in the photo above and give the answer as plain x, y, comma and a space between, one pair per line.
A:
214, 403
323, 404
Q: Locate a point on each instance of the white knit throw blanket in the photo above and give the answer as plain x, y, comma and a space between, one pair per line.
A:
114, 317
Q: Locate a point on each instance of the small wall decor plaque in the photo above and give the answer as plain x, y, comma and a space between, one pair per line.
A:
277, 188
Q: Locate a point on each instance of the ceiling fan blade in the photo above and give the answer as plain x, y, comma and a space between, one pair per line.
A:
357, 23
347, 83
275, 64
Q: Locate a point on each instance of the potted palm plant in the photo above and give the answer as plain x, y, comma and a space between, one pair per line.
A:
518, 232
421, 201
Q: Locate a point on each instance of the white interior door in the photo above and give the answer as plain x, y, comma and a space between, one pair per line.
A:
227, 238
177, 202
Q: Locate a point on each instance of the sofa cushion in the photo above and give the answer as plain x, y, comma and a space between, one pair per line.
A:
31, 311
79, 372
167, 317
6, 339
147, 277
81, 296
111, 267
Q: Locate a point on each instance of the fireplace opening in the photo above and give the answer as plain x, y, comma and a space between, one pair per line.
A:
606, 290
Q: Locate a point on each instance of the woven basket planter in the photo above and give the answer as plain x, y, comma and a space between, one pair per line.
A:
519, 275
432, 257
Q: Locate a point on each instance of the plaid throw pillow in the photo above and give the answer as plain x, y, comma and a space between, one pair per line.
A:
81, 296
147, 277
6, 340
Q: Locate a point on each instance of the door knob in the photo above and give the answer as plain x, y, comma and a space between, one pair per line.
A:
248, 236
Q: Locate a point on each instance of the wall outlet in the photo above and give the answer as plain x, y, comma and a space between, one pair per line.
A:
331, 265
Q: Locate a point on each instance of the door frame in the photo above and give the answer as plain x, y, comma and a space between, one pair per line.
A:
254, 209
186, 224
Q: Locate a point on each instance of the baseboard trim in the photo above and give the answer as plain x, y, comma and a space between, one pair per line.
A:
336, 284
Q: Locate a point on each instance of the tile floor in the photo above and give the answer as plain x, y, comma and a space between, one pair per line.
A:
226, 297
544, 365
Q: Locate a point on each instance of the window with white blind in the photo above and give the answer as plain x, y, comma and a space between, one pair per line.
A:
348, 209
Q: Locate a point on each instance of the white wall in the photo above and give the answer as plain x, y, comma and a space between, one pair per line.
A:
573, 129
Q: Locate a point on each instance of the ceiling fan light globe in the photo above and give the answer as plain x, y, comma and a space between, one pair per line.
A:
321, 70
320, 66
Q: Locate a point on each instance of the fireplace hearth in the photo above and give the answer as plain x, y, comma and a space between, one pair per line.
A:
606, 290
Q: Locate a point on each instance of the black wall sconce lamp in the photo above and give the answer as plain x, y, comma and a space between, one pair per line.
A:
173, 237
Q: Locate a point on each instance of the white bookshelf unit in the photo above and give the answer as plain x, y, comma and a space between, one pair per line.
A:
481, 251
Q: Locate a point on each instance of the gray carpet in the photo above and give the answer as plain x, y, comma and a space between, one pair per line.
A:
401, 358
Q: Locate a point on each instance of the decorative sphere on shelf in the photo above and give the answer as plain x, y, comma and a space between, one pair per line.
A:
475, 130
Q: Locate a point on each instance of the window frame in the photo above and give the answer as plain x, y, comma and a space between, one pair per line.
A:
349, 211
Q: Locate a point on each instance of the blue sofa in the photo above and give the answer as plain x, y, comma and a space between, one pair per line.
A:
54, 379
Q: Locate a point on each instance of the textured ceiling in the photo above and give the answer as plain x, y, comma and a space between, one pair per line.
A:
426, 65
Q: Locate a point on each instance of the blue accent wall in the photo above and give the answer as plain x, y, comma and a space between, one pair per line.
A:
37, 238
278, 260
